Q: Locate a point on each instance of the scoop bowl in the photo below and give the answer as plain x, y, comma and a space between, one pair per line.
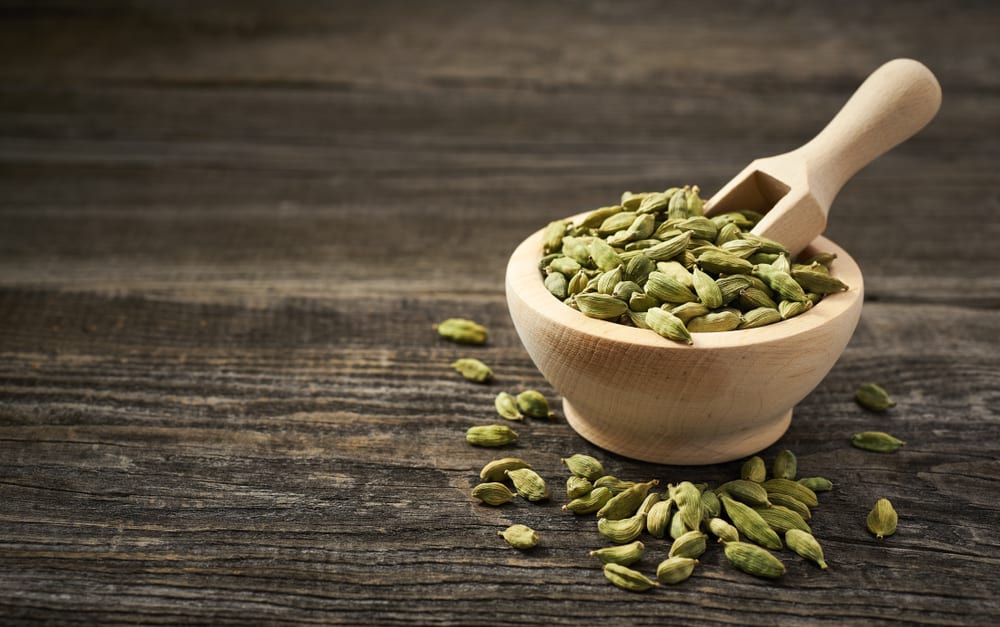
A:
632, 392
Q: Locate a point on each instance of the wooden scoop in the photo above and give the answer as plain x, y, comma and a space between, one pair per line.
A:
795, 190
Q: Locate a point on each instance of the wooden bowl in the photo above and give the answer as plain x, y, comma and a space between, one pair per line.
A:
637, 394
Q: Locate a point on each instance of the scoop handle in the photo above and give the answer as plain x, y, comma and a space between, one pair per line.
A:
895, 101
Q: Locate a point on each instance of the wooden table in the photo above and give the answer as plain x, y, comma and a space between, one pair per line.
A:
228, 228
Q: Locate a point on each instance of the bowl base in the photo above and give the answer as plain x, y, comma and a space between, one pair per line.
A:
682, 451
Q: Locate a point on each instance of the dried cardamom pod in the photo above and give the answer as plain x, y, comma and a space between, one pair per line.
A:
727, 233
600, 306
791, 488
658, 518
667, 325
791, 503
506, 406
624, 290
790, 308
817, 484
882, 520
623, 530
781, 519
759, 317
805, 545
628, 579
715, 322
750, 523
595, 218
603, 255
520, 536
589, 503
745, 491
626, 503
754, 560
874, 397
613, 483
691, 544
584, 466
616, 222
473, 369
653, 202
557, 285
675, 569
667, 289
780, 281
637, 268
721, 262
754, 469
706, 288
624, 554
553, 234
577, 487
462, 331
529, 484
818, 282
641, 302
668, 249
564, 265
490, 435
677, 525
493, 493
533, 403
497, 469
606, 282
710, 505
731, 285
824, 259
647, 504
876, 441
700, 227
786, 465
723, 530
686, 312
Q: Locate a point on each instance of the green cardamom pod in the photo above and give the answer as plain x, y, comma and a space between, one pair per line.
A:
668, 249
628, 579
754, 469
745, 491
658, 518
728, 232
603, 254
791, 488
817, 484
691, 544
497, 469
577, 487
640, 302
576, 248
754, 560
677, 208
723, 530
700, 228
667, 325
624, 554
520, 536
759, 317
578, 283
600, 306
493, 493
751, 298
529, 484
766, 245
626, 503
695, 204
613, 483
786, 465
552, 235
638, 268
647, 504
677, 525
735, 218
790, 308
490, 435
780, 281
589, 503
584, 466
874, 397
506, 406
819, 282
710, 505
595, 218
667, 289
564, 265
781, 264
706, 288
616, 222
750, 523
824, 259
653, 202
675, 569
731, 285
624, 290
781, 519
714, 322
791, 503
462, 331
606, 282
640, 229
623, 530
805, 545
686, 312
721, 262
739, 247
533, 403
882, 520
473, 369
876, 441
557, 285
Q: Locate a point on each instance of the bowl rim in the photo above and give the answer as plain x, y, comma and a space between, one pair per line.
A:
525, 282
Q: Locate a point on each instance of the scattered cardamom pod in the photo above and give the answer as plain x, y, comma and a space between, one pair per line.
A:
873, 397
754, 469
750, 523
520, 536
589, 503
533, 404
506, 406
691, 544
658, 518
675, 569
791, 488
623, 530
882, 520
786, 466
473, 369
781, 519
792, 503
710, 505
493, 493
490, 435
613, 483
529, 484
624, 554
577, 487
626, 503
462, 331
744, 491
628, 579
805, 545
876, 441
753, 560
723, 530
496, 470
817, 484
584, 466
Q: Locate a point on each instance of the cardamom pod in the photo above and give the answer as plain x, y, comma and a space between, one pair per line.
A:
752, 298
624, 554
613, 483
473, 369
824, 259
759, 317
781, 519
565, 266
626, 503
628, 579
728, 232
731, 285
677, 525
603, 254
667, 289
520, 536
669, 248
750, 523
677, 208
577, 487
766, 245
552, 236
638, 268
874, 397
600, 306
584, 466
616, 222
706, 288
647, 504
653, 202
721, 262
493, 493
780, 281
723, 530
754, 560
667, 325
641, 302
529, 484
805, 545
820, 282
754, 469
490, 435
676, 271
557, 285
597, 217
786, 465
506, 406
462, 331
882, 520
533, 404
606, 282
817, 484
686, 312
791, 503
876, 441
496, 470
675, 569
624, 290
691, 544
745, 491
790, 308
623, 530
710, 505
589, 503
714, 322
700, 228
658, 518
791, 488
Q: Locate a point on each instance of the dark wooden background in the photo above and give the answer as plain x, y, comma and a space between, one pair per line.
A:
226, 229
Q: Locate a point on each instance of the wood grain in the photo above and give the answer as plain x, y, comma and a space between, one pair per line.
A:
227, 228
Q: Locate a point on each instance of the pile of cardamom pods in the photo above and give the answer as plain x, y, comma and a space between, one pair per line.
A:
655, 262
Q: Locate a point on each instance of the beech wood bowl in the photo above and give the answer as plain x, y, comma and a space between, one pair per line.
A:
632, 392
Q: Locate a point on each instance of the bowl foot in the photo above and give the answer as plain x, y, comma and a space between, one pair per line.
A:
681, 450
